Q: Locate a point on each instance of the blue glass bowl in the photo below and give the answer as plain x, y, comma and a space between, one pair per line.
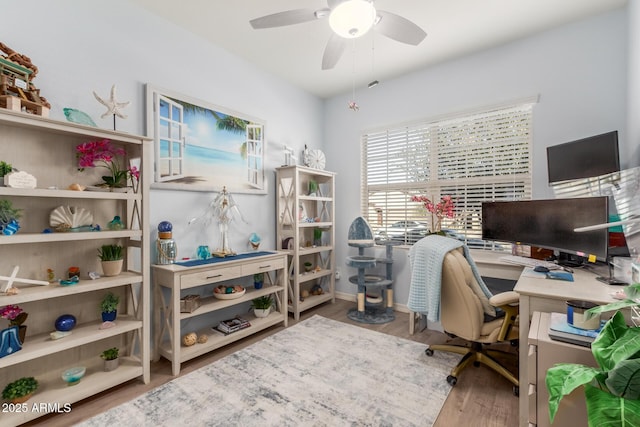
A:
65, 323
72, 376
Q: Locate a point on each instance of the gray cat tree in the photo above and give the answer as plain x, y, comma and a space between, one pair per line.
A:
375, 292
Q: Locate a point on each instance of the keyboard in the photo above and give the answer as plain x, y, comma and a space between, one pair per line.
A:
528, 262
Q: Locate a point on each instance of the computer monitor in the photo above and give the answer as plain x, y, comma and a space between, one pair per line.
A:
550, 224
584, 158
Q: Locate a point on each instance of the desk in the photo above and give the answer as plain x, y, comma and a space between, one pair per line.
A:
545, 295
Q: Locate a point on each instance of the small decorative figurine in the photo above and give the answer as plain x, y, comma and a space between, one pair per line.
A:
190, 339
113, 106
115, 223
254, 240
166, 246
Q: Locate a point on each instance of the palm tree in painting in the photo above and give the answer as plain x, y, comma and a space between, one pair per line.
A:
223, 121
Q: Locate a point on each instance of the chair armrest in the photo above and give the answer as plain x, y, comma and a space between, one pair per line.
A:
504, 298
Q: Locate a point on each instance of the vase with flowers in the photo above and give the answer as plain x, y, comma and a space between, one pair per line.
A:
16, 317
102, 153
440, 210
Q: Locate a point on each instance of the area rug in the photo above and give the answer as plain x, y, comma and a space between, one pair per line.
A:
319, 372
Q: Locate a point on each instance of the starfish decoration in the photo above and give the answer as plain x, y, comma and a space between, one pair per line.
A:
113, 106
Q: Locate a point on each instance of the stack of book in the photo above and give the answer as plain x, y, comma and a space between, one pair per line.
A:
561, 330
232, 325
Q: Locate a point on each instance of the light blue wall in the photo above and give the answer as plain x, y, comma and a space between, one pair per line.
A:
81, 46
579, 72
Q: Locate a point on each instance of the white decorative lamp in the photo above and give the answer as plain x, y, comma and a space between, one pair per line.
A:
352, 18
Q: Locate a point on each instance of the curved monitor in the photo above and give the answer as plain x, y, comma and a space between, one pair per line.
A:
550, 224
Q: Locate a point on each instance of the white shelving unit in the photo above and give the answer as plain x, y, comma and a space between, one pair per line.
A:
306, 207
45, 148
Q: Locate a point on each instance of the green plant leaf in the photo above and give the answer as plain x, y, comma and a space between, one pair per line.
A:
618, 305
624, 379
616, 342
562, 379
605, 409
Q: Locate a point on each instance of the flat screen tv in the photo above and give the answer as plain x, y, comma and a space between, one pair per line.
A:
585, 158
550, 224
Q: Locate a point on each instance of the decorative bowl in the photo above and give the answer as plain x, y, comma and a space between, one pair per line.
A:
237, 292
72, 376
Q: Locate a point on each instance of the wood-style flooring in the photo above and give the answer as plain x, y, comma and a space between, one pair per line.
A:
481, 398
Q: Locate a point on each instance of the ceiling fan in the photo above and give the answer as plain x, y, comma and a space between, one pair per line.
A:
348, 19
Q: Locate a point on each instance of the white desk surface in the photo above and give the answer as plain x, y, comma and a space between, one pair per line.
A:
585, 286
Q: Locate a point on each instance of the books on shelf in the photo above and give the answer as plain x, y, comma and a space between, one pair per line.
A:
561, 330
232, 325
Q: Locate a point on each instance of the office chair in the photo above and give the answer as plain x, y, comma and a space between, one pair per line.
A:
462, 316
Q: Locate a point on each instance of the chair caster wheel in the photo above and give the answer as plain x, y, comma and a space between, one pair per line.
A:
428, 352
516, 390
452, 380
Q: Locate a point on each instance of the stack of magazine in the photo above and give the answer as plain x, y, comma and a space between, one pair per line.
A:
232, 325
561, 330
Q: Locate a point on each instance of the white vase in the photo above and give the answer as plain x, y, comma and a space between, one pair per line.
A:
261, 312
112, 268
110, 365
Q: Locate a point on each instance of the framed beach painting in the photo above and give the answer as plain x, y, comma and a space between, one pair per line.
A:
203, 147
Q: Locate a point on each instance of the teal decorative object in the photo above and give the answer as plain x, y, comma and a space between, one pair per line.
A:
77, 116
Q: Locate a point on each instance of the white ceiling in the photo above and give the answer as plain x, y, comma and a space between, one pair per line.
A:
454, 28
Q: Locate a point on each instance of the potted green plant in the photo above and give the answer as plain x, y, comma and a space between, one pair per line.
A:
109, 307
112, 258
20, 390
110, 357
258, 280
9, 217
5, 168
262, 305
612, 391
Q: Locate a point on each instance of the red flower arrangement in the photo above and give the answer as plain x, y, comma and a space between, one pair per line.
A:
439, 210
104, 154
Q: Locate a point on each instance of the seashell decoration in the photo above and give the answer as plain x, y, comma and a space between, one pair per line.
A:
65, 218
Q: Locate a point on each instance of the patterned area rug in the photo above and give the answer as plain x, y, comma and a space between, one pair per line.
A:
319, 372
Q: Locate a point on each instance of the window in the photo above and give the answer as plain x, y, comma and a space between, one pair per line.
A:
484, 156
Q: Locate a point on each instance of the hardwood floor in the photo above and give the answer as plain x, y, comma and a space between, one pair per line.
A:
481, 398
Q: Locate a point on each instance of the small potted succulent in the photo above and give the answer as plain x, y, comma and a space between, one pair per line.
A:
258, 280
5, 169
20, 390
112, 258
109, 307
9, 217
262, 305
110, 357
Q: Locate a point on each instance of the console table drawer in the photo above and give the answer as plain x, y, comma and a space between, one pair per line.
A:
209, 276
262, 266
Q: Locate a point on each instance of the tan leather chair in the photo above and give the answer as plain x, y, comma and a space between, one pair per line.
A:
462, 315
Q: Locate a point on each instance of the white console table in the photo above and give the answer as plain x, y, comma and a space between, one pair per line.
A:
203, 278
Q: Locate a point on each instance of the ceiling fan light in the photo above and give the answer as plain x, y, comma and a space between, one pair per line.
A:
352, 18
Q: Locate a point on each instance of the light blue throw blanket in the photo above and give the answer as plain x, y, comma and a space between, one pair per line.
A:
426, 258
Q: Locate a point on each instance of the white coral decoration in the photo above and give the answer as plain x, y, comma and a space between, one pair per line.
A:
64, 217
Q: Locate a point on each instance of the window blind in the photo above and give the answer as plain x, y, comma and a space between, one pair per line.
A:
485, 156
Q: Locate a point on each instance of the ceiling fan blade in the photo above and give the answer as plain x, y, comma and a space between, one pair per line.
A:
281, 19
398, 28
333, 51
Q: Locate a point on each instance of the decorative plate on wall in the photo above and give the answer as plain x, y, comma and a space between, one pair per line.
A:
316, 159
